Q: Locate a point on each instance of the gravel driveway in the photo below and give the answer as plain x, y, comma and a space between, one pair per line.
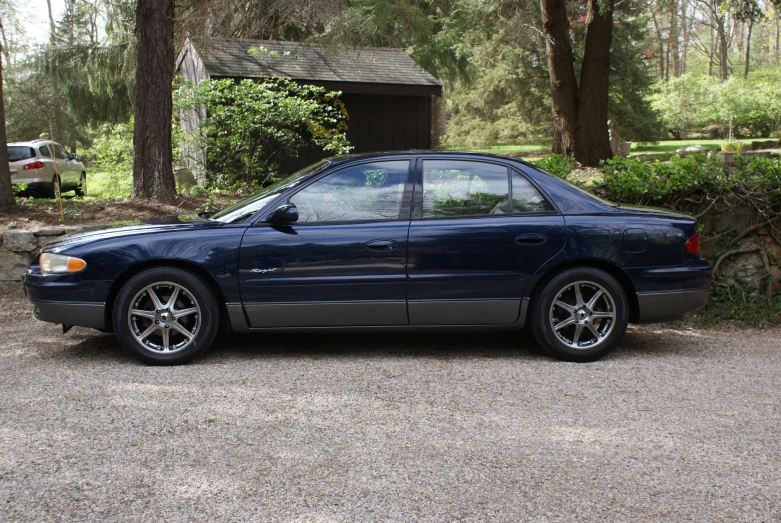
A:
677, 425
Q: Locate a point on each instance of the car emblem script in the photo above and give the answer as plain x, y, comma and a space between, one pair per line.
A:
263, 271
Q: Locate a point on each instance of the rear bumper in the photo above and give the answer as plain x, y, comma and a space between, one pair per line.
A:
80, 314
669, 305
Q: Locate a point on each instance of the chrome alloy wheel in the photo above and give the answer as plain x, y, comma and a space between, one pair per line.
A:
164, 317
582, 315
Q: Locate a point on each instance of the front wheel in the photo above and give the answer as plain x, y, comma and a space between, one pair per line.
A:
579, 315
165, 316
81, 189
56, 189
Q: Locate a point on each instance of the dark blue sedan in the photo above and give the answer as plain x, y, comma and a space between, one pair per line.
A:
415, 240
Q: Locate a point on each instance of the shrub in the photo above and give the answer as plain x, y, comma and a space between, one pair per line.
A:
250, 127
556, 164
112, 154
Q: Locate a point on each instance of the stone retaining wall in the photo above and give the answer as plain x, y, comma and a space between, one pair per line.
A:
19, 247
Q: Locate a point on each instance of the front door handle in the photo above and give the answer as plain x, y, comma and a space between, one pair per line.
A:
530, 239
381, 245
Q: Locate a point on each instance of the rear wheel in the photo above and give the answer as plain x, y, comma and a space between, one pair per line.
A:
165, 316
580, 315
81, 189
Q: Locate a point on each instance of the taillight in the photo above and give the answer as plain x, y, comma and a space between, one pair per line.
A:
692, 245
33, 165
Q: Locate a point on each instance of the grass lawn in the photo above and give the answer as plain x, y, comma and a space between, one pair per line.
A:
666, 146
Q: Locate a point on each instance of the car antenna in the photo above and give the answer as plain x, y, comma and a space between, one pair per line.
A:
56, 173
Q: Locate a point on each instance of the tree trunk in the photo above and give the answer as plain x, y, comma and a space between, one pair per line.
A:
660, 39
748, 46
672, 45
563, 86
723, 49
593, 144
51, 21
153, 175
6, 190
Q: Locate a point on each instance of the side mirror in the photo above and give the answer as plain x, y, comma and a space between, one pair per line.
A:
284, 214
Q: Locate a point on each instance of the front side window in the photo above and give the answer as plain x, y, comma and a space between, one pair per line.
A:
464, 188
61, 152
369, 191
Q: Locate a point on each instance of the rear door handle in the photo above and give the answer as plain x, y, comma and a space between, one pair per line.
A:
530, 239
381, 245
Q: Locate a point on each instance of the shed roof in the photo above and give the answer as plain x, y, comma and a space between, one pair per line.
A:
231, 58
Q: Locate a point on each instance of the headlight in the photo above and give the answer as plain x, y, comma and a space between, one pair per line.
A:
59, 264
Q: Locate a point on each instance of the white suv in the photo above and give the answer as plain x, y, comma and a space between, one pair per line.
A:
33, 163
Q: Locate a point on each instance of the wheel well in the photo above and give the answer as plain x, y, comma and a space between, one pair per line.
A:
154, 264
615, 272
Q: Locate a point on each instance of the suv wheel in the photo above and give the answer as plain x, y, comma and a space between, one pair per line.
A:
56, 189
580, 315
81, 189
165, 316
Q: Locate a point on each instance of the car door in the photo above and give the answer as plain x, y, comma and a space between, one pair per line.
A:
479, 230
65, 168
343, 263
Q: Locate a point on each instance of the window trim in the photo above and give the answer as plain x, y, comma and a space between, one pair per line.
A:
406, 195
417, 210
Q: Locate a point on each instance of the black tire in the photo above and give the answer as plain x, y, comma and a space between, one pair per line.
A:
56, 190
81, 189
592, 332
193, 295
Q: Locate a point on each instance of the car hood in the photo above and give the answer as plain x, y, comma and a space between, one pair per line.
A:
130, 228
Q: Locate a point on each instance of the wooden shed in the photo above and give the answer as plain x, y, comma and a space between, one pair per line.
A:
388, 97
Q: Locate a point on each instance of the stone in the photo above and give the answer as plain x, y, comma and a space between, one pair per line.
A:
11, 288
43, 241
13, 265
19, 241
764, 144
185, 178
50, 231
693, 149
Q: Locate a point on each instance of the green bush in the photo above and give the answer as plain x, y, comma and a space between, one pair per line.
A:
112, 155
556, 164
250, 127
638, 182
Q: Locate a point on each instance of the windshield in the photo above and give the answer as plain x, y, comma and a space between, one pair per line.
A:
243, 211
17, 153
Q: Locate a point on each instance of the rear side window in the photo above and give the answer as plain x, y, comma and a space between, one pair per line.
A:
17, 153
463, 188
44, 150
526, 198
469, 188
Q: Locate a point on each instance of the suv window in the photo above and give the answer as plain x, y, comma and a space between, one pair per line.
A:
464, 188
61, 152
17, 153
369, 191
45, 151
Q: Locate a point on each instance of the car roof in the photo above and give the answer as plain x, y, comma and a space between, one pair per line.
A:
416, 152
31, 143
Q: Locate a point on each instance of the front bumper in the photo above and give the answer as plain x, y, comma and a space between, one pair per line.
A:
669, 305
65, 300
80, 314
